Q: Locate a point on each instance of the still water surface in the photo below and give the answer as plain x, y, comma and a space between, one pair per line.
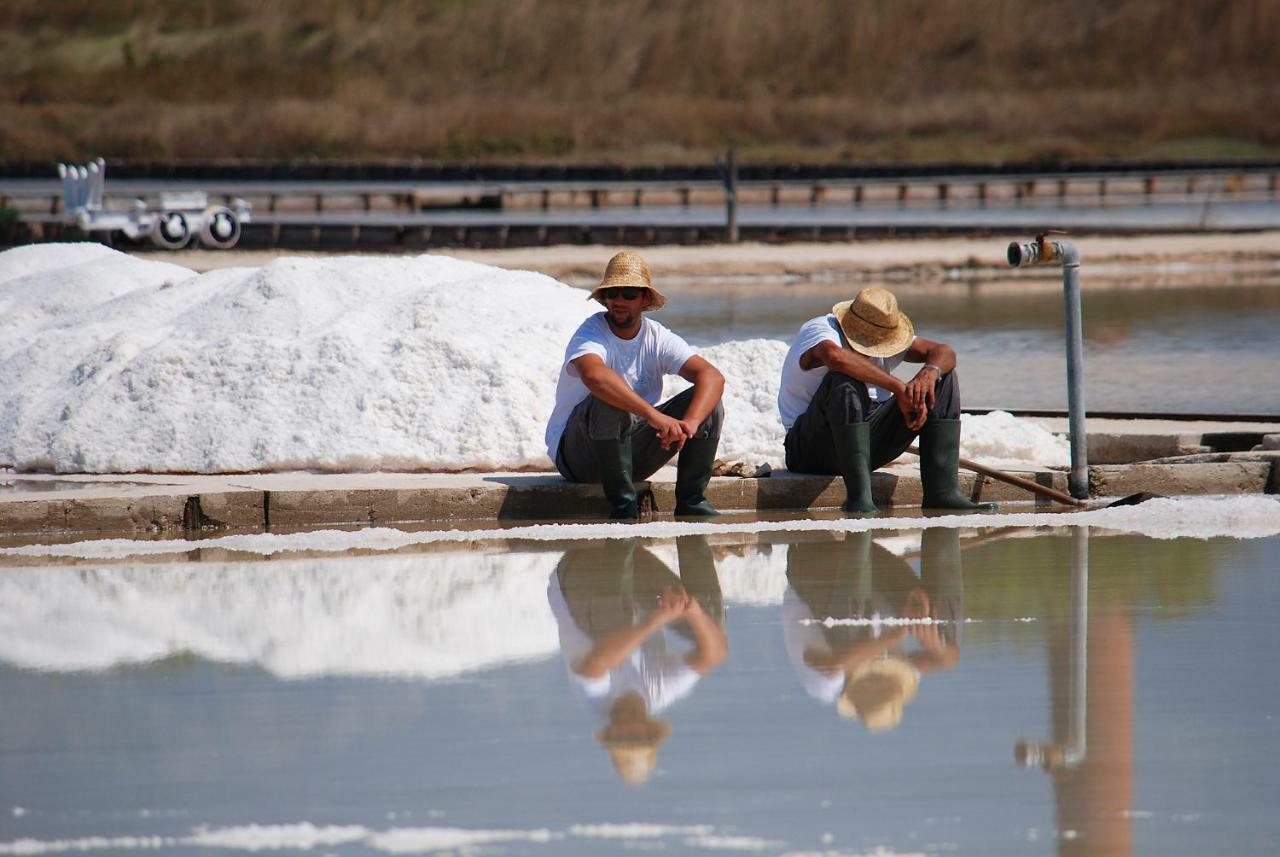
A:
545, 699
1196, 348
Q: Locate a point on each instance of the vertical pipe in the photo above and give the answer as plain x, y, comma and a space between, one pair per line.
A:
1079, 478
731, 197
1078, 693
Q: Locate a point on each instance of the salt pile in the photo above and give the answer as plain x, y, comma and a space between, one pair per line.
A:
116, 365
425, 617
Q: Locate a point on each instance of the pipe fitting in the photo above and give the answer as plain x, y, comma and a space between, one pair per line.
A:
1042, 251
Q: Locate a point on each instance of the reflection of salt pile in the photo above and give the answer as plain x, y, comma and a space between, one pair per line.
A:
113, 364
425, 616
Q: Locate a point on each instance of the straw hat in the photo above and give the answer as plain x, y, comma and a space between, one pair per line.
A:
628, 269
635, 756
877, 693
873, 324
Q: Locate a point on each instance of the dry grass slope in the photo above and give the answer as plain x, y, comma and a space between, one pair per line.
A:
639, 80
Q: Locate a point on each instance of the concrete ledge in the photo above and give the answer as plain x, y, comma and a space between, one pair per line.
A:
123, 514
1235, 477
1107, 448
302, 500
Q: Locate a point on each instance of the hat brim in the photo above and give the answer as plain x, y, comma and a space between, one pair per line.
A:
869, 339
657, 299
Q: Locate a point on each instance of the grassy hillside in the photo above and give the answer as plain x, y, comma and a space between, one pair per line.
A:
639, 80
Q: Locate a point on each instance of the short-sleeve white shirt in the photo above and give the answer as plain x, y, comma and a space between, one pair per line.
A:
798, 385
643, 362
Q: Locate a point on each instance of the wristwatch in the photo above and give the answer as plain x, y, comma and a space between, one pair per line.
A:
934, 368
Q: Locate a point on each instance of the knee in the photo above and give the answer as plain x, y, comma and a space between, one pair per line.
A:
847, 399
712, 422
947, 396
605, 422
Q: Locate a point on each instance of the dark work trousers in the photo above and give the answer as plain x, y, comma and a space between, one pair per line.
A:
843, 400
594, 420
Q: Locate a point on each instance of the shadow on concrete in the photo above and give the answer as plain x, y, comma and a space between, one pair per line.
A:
551, 496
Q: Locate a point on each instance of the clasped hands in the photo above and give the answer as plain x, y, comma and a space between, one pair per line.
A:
675, 603
671, 431
917, 398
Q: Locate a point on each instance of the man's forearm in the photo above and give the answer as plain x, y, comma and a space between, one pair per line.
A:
608, 386
611, 649
710, 645
859, 367
941, 356
706, 395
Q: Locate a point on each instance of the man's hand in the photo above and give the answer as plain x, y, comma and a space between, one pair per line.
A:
912, 416
673, 603
920, 390
671, 431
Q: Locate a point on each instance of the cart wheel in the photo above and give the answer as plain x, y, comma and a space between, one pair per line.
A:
221, 228
172, 232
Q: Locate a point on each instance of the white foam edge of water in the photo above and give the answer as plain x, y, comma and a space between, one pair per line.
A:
880, 622
1250, 516
304, 836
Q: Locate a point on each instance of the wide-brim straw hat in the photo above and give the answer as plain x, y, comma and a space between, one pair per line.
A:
878, 692
873, 324
628, 269
634, 758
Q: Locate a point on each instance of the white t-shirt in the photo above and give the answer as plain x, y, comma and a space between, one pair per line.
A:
660, 676
798, 385
643, 362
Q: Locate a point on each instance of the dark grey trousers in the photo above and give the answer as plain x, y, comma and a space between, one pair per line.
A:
843, 400
594, 420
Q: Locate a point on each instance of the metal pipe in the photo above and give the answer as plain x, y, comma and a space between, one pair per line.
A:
1078, 712
1073, 747
731, 197
1044, 251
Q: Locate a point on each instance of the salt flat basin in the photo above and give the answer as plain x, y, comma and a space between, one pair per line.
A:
422, 700
1200, 346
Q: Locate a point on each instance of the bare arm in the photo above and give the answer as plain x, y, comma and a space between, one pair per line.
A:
849, 658
839, 359
939, 359
710, 645
708, 388
611, 649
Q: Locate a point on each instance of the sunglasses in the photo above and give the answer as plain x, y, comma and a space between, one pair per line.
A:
629, 293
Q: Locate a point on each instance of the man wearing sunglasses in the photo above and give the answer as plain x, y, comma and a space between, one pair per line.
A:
607, 425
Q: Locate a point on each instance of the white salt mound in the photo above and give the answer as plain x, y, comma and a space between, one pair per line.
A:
116, 365
328, 364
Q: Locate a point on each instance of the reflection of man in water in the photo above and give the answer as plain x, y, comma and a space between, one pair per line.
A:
613, 603
865, 669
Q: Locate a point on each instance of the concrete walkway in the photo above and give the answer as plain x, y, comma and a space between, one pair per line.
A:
1193, 458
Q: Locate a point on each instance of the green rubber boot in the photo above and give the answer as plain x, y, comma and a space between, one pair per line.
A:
615, 477
939, 467
853, 458
693, 472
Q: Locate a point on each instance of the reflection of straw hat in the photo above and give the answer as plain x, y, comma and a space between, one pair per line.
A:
873, 324
635, 756
877, 693
628, 269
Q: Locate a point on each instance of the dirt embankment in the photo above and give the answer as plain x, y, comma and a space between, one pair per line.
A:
639, 80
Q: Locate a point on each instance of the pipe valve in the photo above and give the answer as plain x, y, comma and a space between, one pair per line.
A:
1042, 251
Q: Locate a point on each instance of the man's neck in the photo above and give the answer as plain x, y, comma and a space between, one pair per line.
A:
627, 332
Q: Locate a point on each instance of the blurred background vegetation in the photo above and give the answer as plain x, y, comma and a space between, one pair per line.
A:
639, 81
